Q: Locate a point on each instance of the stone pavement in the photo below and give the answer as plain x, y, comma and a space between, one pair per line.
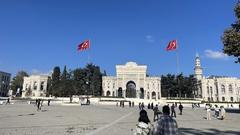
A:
24, 119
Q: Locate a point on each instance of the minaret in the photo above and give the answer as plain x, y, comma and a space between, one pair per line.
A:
198, 69
198, 75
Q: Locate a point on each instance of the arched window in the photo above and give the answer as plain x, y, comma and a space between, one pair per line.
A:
211, 91
42, 86
119, 93
223, 89
113, 94
223, 98
207, 89
153, 95
230, 88
35, 85
26, 86
208, 98
158, 95
148, 96
108, 93
231, 99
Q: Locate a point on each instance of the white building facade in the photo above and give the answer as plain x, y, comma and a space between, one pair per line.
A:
35, 86
217, 88
131, 81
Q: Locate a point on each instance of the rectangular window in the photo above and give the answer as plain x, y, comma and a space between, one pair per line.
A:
42, 86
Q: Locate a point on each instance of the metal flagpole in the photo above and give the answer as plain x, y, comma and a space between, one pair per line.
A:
177, 58
89, 51
177, 64
89, 62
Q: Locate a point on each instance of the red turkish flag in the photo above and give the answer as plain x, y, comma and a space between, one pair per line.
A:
172, 45
83, 46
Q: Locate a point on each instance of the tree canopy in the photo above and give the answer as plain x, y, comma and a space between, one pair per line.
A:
81, 81
17, 81
231, 37
178, 85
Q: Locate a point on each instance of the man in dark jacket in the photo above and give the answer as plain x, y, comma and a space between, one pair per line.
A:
180, 108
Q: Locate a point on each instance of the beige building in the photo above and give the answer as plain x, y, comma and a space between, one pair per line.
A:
217, 88
131, 81
35, 86
4, 83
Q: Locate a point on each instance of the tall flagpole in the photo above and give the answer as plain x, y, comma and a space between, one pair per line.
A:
177, 58
177, 65
89, 52
89, 62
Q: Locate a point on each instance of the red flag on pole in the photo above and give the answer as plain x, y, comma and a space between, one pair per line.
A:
172, 45
83, 46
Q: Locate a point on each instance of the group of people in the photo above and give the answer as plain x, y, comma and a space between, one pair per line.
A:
141, 106
195, 105
131, 104
219, 113
165, 125
39, 103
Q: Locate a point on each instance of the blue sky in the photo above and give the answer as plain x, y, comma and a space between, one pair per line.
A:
35, 36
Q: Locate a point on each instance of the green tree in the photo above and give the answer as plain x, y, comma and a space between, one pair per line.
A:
168, 84
178, 86
94, 80
65, 85
231, 37
17, 81
79, 81
55, 82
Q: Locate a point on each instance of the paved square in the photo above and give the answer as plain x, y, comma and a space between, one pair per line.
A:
24, 119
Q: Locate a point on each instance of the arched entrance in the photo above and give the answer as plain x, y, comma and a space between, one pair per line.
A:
119, 92
108, 93
131, 89
153, 95
141, 93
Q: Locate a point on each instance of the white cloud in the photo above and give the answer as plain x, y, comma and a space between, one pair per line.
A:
215, 54
35, 71
149, 38
38, 72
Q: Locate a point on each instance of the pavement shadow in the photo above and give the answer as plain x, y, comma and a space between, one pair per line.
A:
26, 114
211, 131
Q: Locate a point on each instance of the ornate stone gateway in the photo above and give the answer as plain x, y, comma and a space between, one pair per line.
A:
131, 81
131, 90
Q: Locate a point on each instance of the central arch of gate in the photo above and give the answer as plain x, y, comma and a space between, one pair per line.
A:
131, 89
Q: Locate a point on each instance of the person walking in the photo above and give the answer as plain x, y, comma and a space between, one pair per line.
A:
8, 101
216, 110
173, 113
152, 105
132, 104
180, 108
38, 104
144, 125
142, 106
208, 112
223, 113
49, 102
155, 113
166, 125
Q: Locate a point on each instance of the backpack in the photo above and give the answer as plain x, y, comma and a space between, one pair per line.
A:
142, 129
